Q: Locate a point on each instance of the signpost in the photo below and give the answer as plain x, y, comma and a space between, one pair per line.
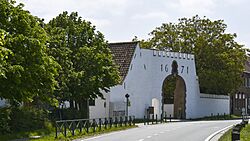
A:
127, 96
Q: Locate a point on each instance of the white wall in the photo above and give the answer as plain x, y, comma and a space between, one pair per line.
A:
99, 111
215, 104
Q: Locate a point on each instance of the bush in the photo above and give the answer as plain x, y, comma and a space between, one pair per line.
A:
4, 120
27, 119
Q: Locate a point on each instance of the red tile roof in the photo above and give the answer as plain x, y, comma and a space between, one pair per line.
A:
123, 54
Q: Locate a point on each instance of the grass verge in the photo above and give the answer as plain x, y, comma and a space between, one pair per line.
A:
226, 136
50, 136
244, 134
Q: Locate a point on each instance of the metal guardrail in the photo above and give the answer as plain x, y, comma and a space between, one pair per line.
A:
85, 125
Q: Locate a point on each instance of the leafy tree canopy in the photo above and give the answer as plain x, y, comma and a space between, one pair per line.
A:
29, 72
219, 58
87, 66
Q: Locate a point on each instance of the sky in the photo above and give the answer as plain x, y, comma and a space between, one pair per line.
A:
122, 20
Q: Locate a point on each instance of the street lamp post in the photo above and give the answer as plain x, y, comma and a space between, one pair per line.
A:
127, 96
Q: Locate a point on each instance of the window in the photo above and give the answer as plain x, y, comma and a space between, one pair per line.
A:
247, 82
92, 102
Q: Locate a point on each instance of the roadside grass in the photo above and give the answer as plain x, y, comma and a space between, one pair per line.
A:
226, 136
69, 137
25, 135
47, 135
244, 134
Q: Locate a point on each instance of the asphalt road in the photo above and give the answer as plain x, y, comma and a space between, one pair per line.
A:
175, 131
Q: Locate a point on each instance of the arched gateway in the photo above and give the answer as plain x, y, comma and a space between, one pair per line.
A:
174, 94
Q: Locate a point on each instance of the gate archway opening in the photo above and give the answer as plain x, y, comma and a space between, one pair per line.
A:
174, 94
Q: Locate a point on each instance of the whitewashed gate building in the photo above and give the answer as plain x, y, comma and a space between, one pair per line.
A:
145, 72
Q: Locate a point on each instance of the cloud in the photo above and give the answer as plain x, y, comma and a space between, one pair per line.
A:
100, 23
193, 7
86, 8
150, 16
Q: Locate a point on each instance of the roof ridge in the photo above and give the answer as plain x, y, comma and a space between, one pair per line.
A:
125, 42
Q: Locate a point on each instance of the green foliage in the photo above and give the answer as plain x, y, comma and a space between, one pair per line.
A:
28, 71
87, 66
27, 119
21, 119
245, 133
219, 58
227, 136
4, 120
168, 88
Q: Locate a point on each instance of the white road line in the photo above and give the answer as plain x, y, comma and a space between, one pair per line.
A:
149, 136
161, 132
155, 134
141, 140
217, 132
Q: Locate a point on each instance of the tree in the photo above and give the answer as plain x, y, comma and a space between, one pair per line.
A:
219, 58
87, 65
30, 71
4, 52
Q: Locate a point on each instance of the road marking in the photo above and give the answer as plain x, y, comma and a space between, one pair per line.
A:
155, 134
141, 140
161, 132
217, 132
149, 136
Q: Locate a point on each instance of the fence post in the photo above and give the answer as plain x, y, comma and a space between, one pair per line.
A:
94, 125
170, 118
110, 122
121, 121
65, 132
116, 121
126, 120
80, 123
148, 119
105, 123
134, 120
165, 117
130, 120
56, 130
100, 124
156, 118
73, 128
153, 119
161, 117
87, 126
